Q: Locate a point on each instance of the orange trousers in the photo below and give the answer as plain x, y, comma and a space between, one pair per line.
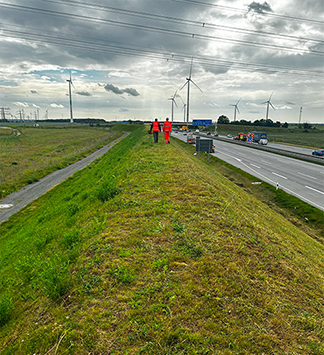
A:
167, 137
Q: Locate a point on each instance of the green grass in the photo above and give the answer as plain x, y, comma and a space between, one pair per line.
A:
180, 261
36, 152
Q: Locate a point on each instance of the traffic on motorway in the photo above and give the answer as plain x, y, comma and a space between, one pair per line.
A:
302, 179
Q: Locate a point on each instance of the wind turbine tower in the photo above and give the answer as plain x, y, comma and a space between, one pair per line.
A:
189, 80
300, 115
268, 104
236, 108
173, 102
70, 95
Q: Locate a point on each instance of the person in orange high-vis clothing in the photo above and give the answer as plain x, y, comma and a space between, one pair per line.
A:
167, 129
155, 128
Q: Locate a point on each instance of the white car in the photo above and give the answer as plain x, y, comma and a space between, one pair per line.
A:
263, 141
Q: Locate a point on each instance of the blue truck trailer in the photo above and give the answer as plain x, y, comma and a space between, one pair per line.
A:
258, 135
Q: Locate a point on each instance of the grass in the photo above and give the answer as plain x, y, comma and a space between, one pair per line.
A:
36, 152
180, 261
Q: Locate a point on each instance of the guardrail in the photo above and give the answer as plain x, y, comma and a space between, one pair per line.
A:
300, 156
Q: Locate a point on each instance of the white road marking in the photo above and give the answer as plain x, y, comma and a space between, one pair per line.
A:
9, 205
266, 162
283, 177
320, 192
311, 177
256, 166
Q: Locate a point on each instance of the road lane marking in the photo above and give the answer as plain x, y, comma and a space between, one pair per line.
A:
311, 177
256, 166
266, 162
308, 187
283, 177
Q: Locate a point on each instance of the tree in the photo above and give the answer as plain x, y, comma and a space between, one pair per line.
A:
223, 120
307, 125
285, 125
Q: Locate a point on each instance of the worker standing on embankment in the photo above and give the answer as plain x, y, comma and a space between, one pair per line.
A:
167, 129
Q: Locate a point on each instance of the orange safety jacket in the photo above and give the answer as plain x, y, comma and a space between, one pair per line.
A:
156, 126
167, 127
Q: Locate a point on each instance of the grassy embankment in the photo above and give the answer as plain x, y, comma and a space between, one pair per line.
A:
150, 251
312, 138
36, 152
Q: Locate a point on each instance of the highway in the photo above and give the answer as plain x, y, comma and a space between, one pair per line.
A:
302, 179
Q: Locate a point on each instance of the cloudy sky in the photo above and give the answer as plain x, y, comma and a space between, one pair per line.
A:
127, 58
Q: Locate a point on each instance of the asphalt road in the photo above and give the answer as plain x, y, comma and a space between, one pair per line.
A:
302, 179
19, 199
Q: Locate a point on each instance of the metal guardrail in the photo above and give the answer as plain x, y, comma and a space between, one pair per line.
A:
300, 156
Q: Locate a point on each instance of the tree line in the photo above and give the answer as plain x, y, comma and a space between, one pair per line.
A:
262, 123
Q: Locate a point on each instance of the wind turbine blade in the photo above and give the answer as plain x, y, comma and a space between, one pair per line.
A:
265, 102
270, 96
184, 85
237, 109
181, 99
272, 106
238, 101
175, 103
195, 84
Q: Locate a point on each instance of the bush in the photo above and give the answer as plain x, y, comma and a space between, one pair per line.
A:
6, 308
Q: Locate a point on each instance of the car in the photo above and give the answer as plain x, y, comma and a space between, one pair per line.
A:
319, 152
191, 139
208, 133
197, 130
229, 136
263, 141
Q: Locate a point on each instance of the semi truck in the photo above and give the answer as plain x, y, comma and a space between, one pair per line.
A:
257, 136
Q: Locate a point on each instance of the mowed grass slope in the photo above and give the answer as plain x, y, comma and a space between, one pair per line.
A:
29, 153
150, 251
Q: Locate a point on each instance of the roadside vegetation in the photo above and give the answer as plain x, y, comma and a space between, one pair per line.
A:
151, 251
29, 153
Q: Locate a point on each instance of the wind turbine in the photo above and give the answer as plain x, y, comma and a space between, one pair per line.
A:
70, 94
268, 104
189, 80
184, 109
173, 102
236, 108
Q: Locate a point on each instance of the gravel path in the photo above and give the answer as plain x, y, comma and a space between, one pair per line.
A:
19, 199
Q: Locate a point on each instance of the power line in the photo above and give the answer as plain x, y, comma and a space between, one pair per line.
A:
266, 13
95, 45
180, 20
162, 30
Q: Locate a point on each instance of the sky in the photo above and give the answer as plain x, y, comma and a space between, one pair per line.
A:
128, 58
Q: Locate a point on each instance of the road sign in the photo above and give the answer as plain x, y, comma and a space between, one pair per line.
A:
202, 122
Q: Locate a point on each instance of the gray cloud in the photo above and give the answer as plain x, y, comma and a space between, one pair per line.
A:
116, 90
259, 8
33, 91
83, 93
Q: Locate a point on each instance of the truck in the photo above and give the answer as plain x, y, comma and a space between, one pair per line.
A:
257, 136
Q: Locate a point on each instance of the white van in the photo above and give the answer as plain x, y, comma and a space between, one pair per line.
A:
263, 141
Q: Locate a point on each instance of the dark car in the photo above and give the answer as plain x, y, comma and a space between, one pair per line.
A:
319, 152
